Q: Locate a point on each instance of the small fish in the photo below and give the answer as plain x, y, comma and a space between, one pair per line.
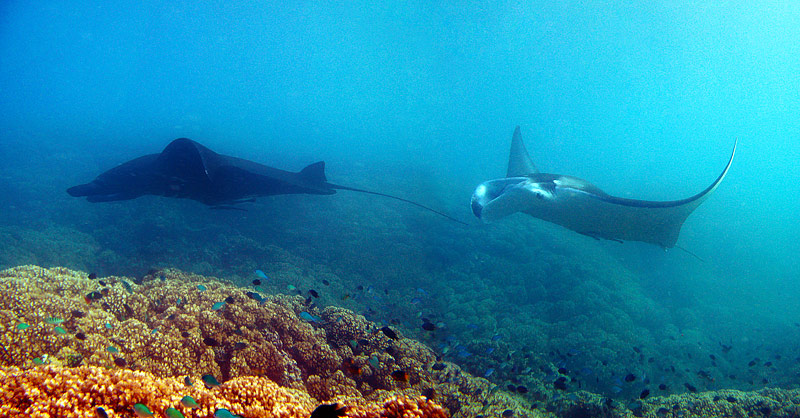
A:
416, 301
22, 326
346, 296
101, 413
38, 361
308, 317
92, 296
329, 411
389, 333
112, 349
428, 326
109, 326
690, 387
210, 381
53, 320
224, 413
217, 306
120, 362
189, 402
373, 361
201, 288
141, 410
255, 296
497, 337
560, 383
508, 413
290, 287
644, 393
127, 286
662, 387
325, 282
211, 342
102, 283
400, 375
92, 276
60, 330
438, 366
489, 372
261, 275
230, 300
630, 377
240, 346
313, 292
81, 336
173, 413
256, 282
522, 389
155, 330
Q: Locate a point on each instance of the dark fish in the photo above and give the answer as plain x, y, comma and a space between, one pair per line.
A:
184, 334
360, 287
92, 296
211, 342
429, 393
522, 389
508, 413
313, 292
240, 346
256, 282
662, 387
712, 357
120, 362
400, 375
102, 283
637, 349
428, 326
630, 377
326, 283
77, 314
187, 381
389, 333
363, 342
438, 366
92, 276
560, 383
768, 364
81, 336
329, 411
731, 399
690, 387
512, 388
230, 299
255, 296
752, 363
101, 413
725, 348
563, 370
644, 393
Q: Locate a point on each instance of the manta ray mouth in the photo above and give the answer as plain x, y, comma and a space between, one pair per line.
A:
476, 208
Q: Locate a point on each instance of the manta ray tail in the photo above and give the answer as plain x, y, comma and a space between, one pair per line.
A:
419, 205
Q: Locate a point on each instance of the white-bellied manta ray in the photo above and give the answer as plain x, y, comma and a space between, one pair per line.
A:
187, 169
581, 206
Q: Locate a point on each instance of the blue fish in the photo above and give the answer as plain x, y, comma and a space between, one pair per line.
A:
308, 317
201, 288
416, 301
217, 306
497, 337
616, 389
489, 350
489, 372
261, 274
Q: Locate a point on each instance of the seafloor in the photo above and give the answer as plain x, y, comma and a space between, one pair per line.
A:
72, 342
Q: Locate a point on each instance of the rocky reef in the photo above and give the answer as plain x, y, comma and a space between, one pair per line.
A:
72, 343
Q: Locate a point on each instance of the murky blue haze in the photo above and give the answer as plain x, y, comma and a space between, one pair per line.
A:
643, 99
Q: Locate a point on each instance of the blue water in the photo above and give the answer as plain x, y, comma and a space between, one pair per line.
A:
420, 100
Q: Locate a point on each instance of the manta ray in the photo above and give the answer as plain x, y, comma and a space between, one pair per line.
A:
186, 169
581, 206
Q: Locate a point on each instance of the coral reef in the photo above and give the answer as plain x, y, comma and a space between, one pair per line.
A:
71, 342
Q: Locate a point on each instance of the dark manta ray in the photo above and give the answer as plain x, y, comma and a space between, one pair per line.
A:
581, 206
187, 169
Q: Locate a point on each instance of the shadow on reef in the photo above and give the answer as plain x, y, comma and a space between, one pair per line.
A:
157, 338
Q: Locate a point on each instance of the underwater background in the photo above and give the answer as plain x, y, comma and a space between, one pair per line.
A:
419, 100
